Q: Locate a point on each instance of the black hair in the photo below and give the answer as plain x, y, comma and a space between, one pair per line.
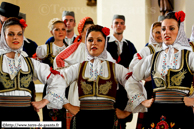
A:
11, 21
171, 15
96, 28
88, 21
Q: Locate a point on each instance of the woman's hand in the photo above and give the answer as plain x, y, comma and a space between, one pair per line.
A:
72, 109
147, 103
122, 114
39, 104
188, 101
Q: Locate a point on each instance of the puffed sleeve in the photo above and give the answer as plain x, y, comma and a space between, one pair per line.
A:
70, 75
55, 92
135, 90
41, 51
139, 56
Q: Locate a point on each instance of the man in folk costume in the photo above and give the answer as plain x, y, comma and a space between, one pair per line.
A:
122, 51
69, 16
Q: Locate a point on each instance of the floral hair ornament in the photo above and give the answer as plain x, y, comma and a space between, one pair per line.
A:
106, 31
180, 16
23, 23
65, 22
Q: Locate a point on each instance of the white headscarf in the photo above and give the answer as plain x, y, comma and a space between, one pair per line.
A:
97, 59
152, 41
4, 48
180, 43
192, 34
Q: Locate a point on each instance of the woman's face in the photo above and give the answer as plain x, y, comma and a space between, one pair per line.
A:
169, 31
156, 32
95, 43
59, 31
14, 36
83, 33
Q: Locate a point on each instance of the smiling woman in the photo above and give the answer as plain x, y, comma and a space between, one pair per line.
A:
17, 71
14, 36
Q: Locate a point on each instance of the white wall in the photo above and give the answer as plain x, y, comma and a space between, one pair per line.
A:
40, 12
135, 11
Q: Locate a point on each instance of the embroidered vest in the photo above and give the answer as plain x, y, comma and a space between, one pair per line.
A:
102, 87
152, 51
176, 78
49, 57
22, 81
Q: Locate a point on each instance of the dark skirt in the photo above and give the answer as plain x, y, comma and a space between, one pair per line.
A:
95, 119
173, 116
18, 114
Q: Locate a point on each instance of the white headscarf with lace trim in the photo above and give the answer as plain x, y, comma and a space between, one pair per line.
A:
180, 43
97, 59
152, 41
4, 48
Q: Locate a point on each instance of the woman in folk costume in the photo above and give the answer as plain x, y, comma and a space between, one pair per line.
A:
76, 53
172, 74
17, 72
72, 55
154, 45
47, 53
97, 81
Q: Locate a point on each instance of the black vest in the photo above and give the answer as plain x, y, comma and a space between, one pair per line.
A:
127, 52
49, 57
176, 78
22, 81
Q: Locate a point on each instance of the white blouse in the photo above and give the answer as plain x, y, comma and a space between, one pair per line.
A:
41, 72
41, 51
142, 70
71, 74
143, 53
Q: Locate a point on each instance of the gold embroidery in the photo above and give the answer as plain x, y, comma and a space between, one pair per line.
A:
87, 88
7, 83
177, 79
158, 82
158, 79
25, 81
105, 87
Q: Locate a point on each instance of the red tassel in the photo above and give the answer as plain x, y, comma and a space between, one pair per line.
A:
119, 59
55, 72
128, 75
139, 57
